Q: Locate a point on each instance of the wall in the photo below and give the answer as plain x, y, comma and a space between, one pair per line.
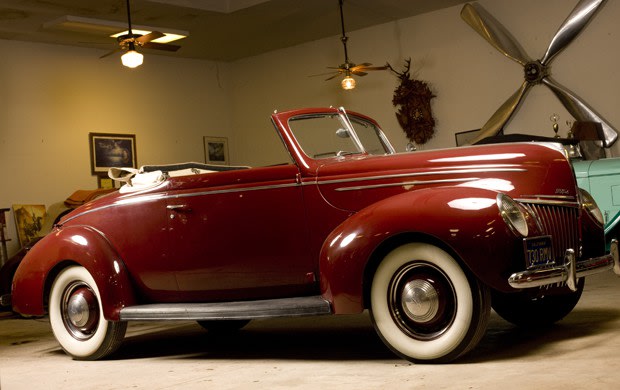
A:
53, 96
470, 78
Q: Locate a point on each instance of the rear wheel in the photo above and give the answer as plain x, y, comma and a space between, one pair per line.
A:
526, 308
425, 307
77, 319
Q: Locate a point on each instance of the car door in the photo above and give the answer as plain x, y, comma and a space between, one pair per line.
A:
242, 235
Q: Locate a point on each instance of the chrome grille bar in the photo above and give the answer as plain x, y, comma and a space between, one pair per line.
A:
562, 223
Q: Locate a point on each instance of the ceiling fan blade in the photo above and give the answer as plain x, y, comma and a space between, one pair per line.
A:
580, 110
572, 26
334, 76
324, 74
161, 46
149, 37
493, 32
503, 114
110, 53
365, 68
359, 73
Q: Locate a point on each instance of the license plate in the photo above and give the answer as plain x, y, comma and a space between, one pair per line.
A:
538, 251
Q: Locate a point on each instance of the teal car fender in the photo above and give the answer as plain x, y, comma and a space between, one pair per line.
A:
463, 221
601, 178
69, 246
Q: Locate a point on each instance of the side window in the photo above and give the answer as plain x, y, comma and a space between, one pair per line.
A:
369, 135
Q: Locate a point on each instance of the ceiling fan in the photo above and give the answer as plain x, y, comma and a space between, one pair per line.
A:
348, 68
536, 71
128, 42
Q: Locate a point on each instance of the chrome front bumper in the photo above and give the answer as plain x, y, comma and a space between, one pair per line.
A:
569, 272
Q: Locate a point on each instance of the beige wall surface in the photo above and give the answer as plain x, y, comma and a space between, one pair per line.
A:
53, 96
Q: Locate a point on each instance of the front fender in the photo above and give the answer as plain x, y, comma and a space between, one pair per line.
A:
81, 245
464, 221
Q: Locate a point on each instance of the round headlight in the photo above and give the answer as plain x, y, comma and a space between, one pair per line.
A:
512, 214
588, 203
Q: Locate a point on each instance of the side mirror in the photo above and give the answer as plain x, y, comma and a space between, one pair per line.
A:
343, 133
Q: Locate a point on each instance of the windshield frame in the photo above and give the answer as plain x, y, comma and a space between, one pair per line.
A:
379, 142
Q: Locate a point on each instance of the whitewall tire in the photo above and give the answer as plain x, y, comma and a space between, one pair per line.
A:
77, 318
424, 305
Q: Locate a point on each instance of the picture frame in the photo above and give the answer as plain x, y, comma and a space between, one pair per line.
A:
464, 137
105, 182
29, 219
216, 150
108, 150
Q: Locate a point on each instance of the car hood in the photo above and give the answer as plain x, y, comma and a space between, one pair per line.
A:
352, 183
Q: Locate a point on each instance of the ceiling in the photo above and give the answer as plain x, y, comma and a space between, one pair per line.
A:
219, 30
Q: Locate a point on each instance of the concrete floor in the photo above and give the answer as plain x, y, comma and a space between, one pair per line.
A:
582, 351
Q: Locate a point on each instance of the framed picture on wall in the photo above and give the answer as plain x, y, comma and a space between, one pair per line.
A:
216, 150
111, 151
29, 219
105, 182
464, 137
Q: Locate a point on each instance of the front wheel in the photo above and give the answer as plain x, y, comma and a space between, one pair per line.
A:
538, 308
425, 307
77, 319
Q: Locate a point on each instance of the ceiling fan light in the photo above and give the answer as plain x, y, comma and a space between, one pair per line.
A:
348, 83
132, 59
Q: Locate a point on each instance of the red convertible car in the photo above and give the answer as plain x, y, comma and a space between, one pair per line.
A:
427, 241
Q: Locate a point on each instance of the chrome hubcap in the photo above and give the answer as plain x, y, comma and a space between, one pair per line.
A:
420, 301
80, 310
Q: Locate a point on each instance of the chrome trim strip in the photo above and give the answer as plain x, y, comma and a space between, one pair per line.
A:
566, 197
406, 183
147, 198
566, 202
268, 308
121, 202
418, 174
231, 190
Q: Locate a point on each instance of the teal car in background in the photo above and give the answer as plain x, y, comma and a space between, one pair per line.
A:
601, 178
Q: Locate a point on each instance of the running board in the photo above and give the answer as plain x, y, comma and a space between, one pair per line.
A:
268, 308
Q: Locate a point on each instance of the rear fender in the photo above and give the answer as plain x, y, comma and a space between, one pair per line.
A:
81, 245
463, 221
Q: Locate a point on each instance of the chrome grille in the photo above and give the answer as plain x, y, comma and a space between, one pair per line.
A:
561, 223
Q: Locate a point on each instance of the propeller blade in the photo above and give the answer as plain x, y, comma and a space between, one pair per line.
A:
503, 114
493, 32
161, 46
572, 26
149, 37
580, 110
109, 53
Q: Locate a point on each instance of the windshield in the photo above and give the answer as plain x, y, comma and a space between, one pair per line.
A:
329, 135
